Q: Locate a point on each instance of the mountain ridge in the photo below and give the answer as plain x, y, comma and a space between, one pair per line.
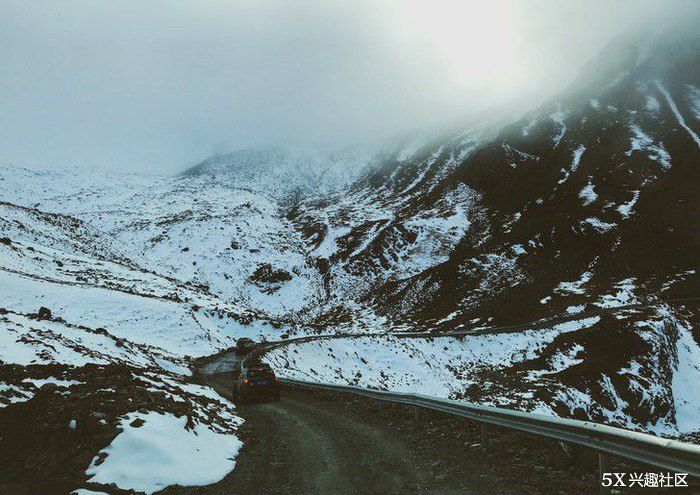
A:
585, 203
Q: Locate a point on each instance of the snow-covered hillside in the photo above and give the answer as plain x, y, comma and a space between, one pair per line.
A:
650, 382
585, 204
195, 229
96, 332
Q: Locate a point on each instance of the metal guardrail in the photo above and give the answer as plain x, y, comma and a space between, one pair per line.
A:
664, 453
648, 449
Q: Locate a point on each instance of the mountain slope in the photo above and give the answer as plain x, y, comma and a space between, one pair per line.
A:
587, 200
586, 203
581, 211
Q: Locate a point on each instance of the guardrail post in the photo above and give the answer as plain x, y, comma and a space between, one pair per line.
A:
416, 413
603, 467
484, 435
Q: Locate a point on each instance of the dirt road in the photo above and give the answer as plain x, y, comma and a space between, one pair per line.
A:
329, 443
309, 446
313, 448
325, 443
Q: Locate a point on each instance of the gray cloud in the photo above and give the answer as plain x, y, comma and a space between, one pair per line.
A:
161, 85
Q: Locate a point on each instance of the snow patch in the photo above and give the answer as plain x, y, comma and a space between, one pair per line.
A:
529, 126
575, 287
623, 296
575, 309
38, 382
677, 112
559, 362
626, 208
10, 394
559, 117
643, 142
424, 366
694, 100
518, 249
426, 167
576, 159
686, 382
164, 452
588, 194
329, 246
651, 104
599, 225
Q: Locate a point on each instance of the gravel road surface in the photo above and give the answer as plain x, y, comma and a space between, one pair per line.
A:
307, 445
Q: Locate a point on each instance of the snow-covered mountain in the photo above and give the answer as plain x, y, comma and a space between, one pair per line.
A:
196, 229
585, 204
581, 217
585, 201
285, 173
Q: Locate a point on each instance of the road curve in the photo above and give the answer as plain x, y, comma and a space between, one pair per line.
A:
308, 446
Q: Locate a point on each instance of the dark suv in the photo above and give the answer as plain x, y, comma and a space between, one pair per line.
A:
257, 383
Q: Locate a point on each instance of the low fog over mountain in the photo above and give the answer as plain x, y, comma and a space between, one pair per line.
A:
141, 86
539, 244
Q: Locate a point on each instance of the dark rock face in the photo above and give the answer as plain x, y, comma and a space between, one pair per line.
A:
266, 274
137, 423
49, 387
595, 186
6, 241
586, 203
44, 313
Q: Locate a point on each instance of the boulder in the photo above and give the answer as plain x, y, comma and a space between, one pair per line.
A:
49, 387
265, 273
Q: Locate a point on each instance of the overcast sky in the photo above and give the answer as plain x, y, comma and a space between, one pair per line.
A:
161, 85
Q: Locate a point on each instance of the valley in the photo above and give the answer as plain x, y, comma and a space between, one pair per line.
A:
562, 245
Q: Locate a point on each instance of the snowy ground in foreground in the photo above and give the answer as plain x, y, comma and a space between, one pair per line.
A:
164, 452
157, 449
116, 424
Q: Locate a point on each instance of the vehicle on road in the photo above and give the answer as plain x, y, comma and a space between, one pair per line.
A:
256, 384
244, 346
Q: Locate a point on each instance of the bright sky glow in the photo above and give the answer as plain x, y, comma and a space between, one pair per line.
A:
162, 85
